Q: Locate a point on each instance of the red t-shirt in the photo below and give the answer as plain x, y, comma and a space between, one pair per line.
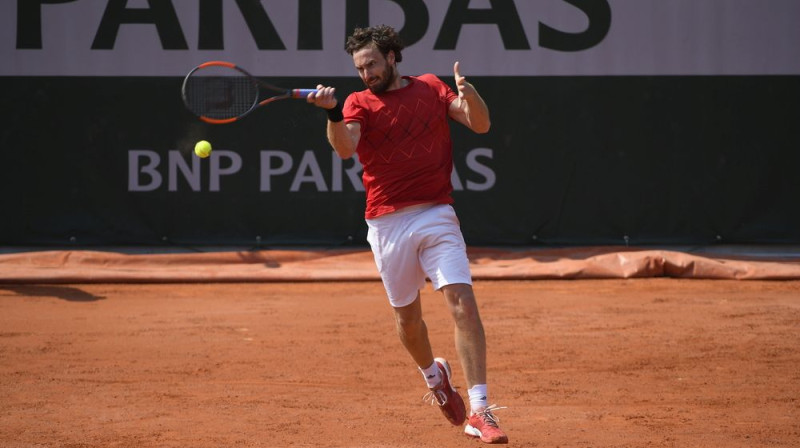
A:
405, 145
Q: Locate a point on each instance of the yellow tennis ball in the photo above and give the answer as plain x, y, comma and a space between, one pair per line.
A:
202, 149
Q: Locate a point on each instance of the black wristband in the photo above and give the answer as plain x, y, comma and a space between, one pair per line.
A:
335, 113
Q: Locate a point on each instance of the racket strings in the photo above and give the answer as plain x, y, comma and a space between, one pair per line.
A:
220, 97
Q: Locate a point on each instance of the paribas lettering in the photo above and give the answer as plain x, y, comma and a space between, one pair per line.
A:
167, 24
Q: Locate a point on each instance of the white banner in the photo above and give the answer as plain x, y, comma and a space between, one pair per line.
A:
490, 38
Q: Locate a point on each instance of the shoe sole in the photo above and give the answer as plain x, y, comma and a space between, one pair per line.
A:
443, 362
472, 431
446, 366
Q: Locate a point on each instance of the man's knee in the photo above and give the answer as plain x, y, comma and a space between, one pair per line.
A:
409, 318
461, 300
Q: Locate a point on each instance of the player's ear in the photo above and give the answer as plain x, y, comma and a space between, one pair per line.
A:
390, 57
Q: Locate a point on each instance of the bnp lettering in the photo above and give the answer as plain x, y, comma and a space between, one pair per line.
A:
277, 171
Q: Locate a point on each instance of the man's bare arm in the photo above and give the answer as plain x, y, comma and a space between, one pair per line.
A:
342, 136
469, 108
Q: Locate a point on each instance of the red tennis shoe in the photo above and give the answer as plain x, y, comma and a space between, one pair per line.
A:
484, 425
446, 397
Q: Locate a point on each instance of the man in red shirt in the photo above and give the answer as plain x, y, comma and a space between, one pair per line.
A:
399, 127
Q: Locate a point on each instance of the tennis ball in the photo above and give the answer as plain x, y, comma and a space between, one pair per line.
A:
202, 149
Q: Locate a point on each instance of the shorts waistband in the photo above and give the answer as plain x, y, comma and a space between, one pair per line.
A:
406, 210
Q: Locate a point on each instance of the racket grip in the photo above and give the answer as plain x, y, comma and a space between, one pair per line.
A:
302, 93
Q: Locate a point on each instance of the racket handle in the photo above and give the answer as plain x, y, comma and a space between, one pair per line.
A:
302, 93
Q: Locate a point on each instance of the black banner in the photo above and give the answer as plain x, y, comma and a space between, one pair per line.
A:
569, 160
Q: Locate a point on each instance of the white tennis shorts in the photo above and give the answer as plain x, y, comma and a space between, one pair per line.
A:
418, 242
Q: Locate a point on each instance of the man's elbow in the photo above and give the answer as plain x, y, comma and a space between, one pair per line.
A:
482, 128
344, 152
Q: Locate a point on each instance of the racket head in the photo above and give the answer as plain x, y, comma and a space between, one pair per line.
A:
220, 92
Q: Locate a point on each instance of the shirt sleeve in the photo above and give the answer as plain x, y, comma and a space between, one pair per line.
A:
446, 94
354, 110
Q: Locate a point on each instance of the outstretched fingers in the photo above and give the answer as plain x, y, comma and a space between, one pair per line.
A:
464, 88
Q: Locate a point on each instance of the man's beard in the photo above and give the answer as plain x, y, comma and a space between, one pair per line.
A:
384, 84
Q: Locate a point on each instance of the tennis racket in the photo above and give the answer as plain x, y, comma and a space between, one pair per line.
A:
219, 92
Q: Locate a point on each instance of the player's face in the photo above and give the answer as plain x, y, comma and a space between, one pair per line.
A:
376, 71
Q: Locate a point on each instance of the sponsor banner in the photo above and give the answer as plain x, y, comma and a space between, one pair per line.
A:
569, 160
489, 37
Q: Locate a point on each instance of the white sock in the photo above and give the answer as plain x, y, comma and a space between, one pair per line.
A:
432, 375
478, 398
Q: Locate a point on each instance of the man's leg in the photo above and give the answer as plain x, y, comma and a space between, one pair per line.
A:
471, 346
413, 332
469, 336
414, 336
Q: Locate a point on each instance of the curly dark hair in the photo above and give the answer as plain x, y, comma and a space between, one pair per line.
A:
383, 36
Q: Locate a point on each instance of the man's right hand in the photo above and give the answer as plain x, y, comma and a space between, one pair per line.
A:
324, 98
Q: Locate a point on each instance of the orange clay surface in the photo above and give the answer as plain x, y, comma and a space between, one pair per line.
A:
584, 363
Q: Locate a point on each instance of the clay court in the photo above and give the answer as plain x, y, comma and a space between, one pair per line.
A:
578, 362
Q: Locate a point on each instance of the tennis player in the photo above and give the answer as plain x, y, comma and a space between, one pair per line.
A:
399, 127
